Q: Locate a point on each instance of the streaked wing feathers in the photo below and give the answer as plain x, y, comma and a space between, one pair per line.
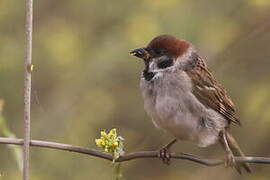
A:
210, 93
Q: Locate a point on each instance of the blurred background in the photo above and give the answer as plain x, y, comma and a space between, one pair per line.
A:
85, 81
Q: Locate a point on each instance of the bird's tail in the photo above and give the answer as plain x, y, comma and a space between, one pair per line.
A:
233, 145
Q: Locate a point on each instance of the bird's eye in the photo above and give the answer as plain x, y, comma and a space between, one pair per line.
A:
165, 63
158, 52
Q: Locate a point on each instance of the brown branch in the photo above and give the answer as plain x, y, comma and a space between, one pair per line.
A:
27, 86
130, 156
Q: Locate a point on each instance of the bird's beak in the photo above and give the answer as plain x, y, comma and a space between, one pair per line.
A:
141, 53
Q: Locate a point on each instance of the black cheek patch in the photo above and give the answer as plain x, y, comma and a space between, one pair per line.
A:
165, 63
148, 75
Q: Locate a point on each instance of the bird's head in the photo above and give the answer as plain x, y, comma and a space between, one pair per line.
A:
164, 52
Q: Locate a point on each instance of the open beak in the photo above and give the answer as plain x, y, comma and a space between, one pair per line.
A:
141, 53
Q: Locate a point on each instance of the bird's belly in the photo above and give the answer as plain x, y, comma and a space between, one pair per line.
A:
173, 107
175, 117
186, 124
188, 120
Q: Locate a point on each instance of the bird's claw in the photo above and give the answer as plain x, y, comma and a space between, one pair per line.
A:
164, 155
231, 162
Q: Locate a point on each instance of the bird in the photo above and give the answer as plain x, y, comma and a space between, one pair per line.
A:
183, 98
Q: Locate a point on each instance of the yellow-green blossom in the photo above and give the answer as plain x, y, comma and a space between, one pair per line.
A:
103, 134
100, 142
111, 143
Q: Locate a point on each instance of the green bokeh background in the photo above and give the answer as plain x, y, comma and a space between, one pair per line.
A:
85, 81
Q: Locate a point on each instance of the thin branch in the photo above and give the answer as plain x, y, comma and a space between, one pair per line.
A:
130, 156
27, 87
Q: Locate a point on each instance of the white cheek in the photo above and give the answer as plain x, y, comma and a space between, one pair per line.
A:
158, 75
152, 65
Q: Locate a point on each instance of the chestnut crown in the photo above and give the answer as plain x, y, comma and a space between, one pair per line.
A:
167, 45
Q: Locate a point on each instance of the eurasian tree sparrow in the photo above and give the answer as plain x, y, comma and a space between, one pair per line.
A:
183, 98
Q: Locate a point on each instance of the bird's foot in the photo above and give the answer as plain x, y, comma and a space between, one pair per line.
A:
164, 155
231, 162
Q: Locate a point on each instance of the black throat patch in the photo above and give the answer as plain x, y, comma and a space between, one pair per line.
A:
146, 74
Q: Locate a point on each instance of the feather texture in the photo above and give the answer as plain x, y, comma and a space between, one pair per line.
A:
210, 93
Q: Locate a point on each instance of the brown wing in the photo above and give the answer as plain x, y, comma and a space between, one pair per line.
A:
210, 92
